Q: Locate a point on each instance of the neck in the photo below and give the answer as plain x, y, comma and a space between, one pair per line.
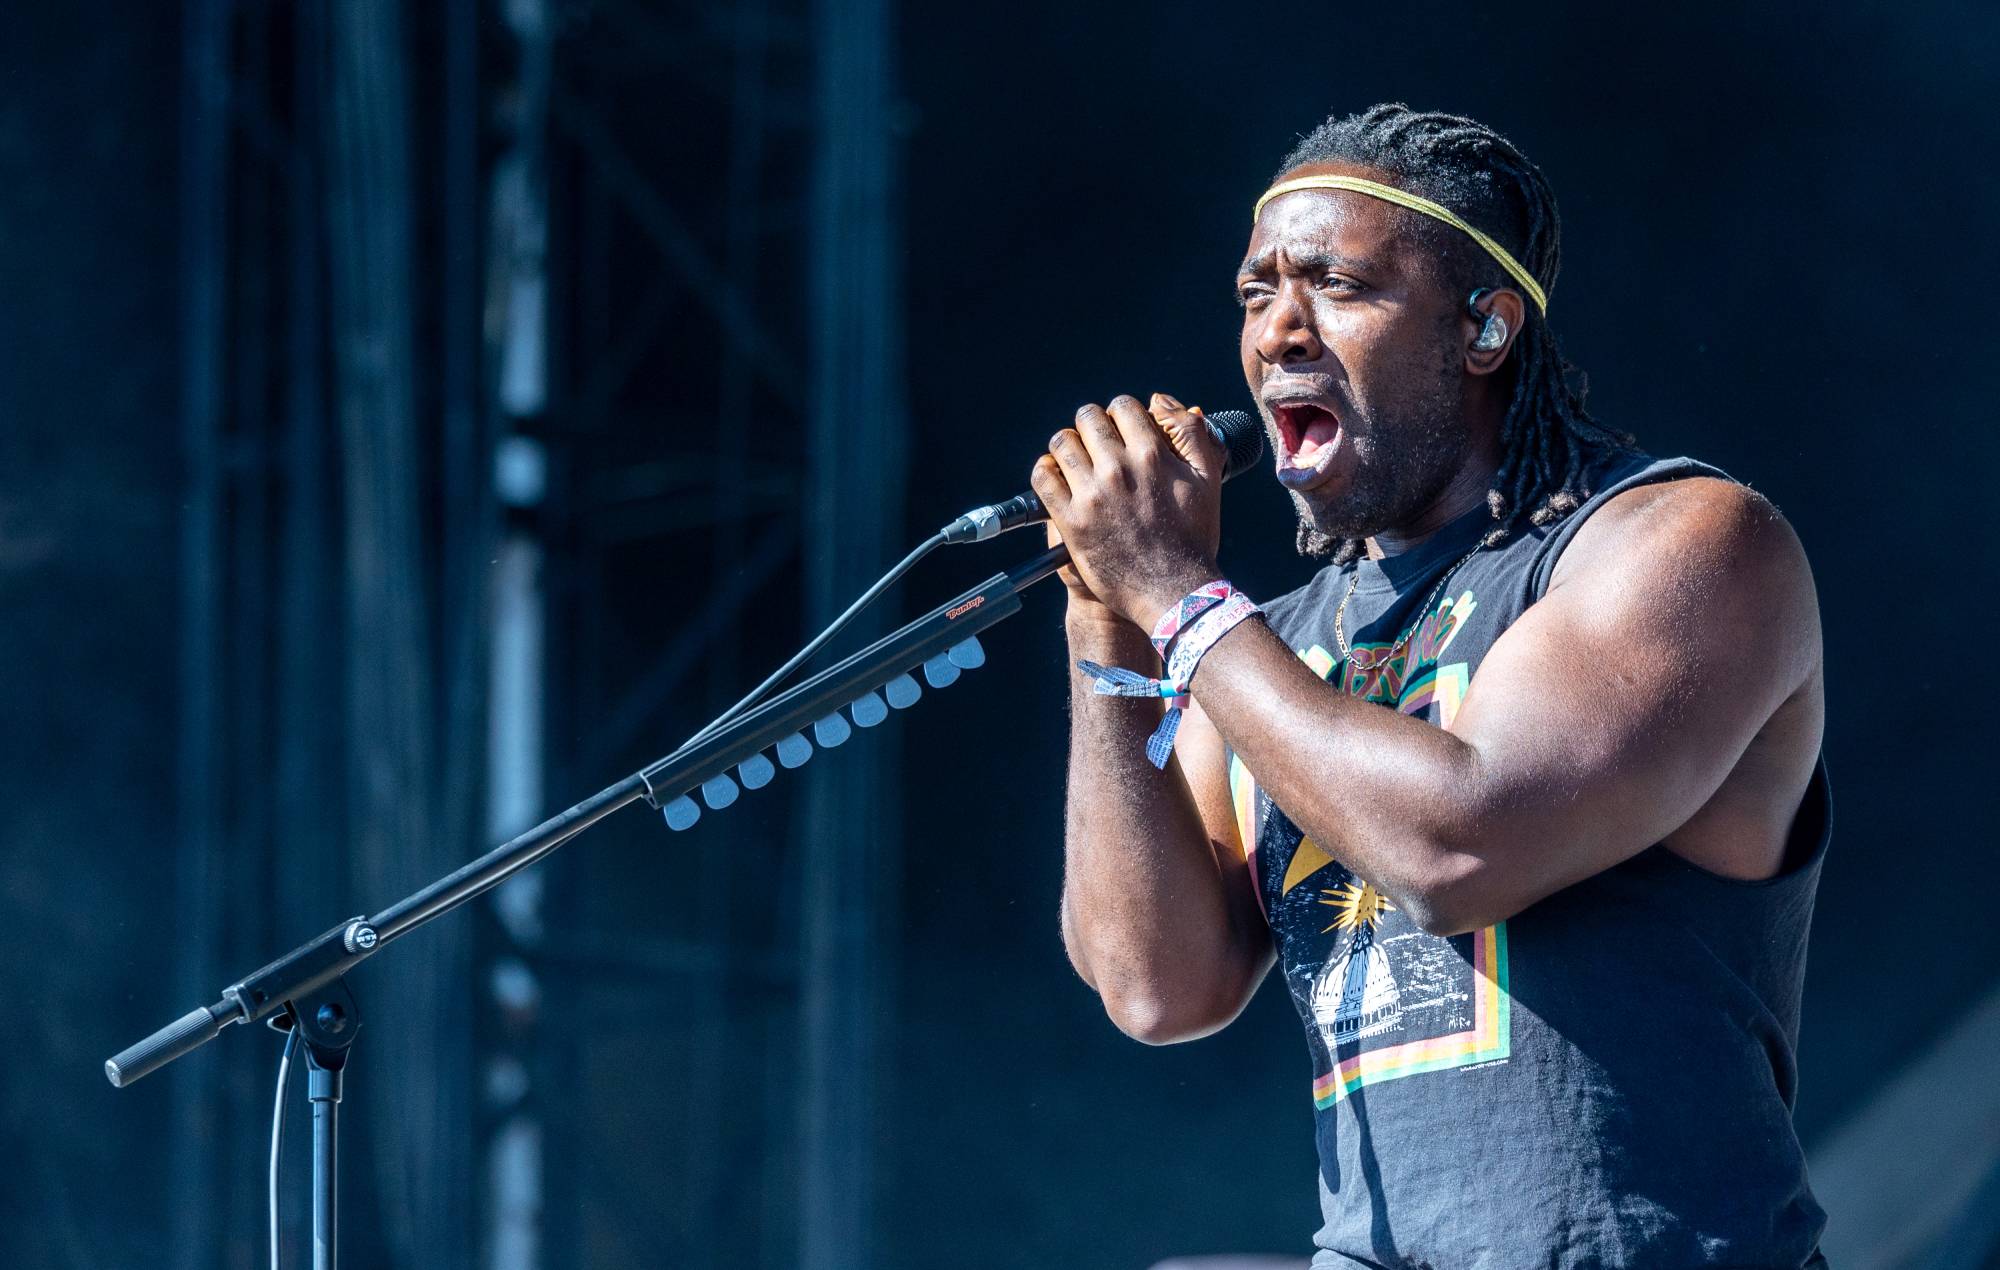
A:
1465, 491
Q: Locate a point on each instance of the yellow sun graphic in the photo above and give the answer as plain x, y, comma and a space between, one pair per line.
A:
1354, 906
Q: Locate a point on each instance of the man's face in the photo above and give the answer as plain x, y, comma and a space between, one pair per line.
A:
1353, 352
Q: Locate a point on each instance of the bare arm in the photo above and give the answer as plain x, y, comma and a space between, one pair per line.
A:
1158, 911
1600, 722
1681, 622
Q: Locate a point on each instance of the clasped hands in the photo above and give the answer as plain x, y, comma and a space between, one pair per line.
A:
1136, 494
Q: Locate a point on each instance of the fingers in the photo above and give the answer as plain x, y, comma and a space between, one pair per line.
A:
1106, 437
1048, 481
1186, 430
1100, 435
1136, 428
1052, 488
1068, 450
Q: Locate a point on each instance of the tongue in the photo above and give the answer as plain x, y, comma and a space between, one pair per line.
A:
1318, 434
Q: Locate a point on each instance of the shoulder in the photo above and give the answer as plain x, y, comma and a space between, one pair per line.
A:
1703, 551
1708, 522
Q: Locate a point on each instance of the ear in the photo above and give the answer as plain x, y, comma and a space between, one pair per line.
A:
1504, 304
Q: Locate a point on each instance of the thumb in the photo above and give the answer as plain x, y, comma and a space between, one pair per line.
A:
1187, 429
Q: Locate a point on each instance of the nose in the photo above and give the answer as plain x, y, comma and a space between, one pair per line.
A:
1288, 335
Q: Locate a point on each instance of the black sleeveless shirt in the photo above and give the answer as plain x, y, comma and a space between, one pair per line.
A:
1604, 1079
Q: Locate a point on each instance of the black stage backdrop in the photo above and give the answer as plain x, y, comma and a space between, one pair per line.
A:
1779, 259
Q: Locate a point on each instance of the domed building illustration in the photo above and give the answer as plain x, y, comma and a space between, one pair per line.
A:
1356, 994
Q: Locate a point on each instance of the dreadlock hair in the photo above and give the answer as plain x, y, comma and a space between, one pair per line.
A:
1551, 447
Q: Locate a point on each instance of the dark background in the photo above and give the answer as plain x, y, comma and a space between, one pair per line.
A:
1779, 259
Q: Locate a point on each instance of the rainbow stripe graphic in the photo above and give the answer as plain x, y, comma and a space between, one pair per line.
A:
1487, 1040
1411, 682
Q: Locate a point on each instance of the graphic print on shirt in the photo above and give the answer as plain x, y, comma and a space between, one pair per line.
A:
1381, 998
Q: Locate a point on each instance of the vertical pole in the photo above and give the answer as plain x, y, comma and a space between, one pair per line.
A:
851, 831
516, 646
419, 1125
469, 522
310, 741
204, 127
323, 1089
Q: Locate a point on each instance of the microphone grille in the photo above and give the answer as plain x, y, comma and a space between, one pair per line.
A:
1242, 438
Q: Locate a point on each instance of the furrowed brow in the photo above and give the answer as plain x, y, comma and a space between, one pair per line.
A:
1317, 262
1310, 262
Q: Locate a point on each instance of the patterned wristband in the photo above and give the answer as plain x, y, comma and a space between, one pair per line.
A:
1192, 627
1191, 606
1197, 639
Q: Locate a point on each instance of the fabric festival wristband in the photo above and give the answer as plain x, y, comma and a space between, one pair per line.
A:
1214, 620
1202, 635
1191, 606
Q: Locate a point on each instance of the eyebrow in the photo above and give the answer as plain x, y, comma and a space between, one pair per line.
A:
1308, 262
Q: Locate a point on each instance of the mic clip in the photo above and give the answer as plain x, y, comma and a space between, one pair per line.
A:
994, 519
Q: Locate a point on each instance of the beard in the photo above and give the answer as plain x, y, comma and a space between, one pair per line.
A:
1406, 453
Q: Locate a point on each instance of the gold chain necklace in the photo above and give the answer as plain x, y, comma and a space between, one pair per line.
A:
1383, 655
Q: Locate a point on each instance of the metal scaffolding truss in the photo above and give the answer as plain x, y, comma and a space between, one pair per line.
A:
695, 1020
540, 392
330, 611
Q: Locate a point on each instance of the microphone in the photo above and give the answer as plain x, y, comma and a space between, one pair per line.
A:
1242, 439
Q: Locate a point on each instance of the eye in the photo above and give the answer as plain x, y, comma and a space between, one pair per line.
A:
1336, 282
1254, 295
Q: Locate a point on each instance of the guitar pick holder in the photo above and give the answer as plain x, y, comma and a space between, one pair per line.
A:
306, 989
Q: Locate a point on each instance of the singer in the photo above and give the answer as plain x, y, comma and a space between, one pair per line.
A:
1522, 791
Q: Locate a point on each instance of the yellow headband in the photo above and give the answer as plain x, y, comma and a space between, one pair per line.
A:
1416, 203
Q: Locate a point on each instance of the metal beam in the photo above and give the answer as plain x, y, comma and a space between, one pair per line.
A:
204, 227
851, 833
641, 705
706, 283
418, 1121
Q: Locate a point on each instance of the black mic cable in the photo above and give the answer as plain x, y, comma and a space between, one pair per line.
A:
818, 642
1242, 440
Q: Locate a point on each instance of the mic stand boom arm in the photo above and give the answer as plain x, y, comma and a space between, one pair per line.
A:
314, 965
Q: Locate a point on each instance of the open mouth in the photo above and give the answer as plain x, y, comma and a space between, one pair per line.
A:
1307, 436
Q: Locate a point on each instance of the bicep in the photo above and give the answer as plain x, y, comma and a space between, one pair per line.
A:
1614, 708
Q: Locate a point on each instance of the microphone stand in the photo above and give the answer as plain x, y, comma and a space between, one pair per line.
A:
306, 988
